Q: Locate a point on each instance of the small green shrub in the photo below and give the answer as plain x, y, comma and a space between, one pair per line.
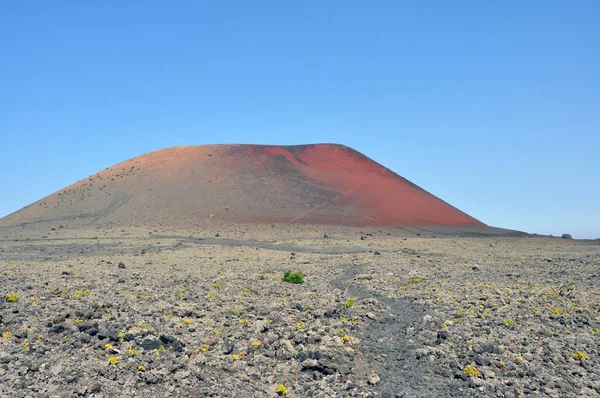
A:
472, 371
416, 279
293, 277
281, 389
11, 298
350, 302
509, 323
81, 293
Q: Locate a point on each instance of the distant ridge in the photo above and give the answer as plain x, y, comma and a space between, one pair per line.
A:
310, 184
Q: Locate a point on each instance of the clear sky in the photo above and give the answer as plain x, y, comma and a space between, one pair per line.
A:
492, 106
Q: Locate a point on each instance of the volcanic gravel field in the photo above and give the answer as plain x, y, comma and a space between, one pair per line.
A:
157, 312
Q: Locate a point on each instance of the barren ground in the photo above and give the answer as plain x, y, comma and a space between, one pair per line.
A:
139, 312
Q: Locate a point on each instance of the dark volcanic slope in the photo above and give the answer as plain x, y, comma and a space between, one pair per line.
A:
317, 184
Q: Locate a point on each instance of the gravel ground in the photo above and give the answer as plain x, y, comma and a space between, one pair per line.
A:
141, 312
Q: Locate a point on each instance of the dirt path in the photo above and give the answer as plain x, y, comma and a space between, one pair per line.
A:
389, 347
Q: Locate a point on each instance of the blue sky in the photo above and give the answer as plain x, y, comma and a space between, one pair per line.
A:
492, 106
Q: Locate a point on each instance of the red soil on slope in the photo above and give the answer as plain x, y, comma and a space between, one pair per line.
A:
315, 184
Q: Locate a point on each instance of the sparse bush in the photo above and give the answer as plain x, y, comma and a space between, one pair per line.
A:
11, 298
81, 293
350, 302
293, 277
416, 279
472, 371
281, 389
556, 312
509, 323
579, 356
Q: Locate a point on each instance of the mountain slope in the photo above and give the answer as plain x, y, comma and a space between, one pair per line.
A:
315, 184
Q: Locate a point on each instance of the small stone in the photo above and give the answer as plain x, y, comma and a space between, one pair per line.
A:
94, 387
227, 347
443, 334
373, 378
122, 266
482, 361
91, 331
57, 328
310, 364
150, 343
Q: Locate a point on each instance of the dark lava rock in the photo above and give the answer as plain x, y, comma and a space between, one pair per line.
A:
84, 339
87, 325
106, 334
150, 343
113, 335
227, 347
167, 339
443, 334
5, 359
566, 236
482, 361
122, 266
57, 328
92, 331
171, 342
377, 253
493, 349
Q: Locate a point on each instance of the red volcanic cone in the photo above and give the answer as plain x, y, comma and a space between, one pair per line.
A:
314, 184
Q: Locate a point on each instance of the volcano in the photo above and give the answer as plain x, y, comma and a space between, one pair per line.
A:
310, 184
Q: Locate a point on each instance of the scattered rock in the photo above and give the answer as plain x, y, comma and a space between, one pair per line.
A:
94, 388
150, 343
227, 347
373, 378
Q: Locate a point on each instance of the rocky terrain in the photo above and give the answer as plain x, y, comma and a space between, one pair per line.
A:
139, 312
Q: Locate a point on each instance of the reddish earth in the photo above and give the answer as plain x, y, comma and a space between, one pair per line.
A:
312, 184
